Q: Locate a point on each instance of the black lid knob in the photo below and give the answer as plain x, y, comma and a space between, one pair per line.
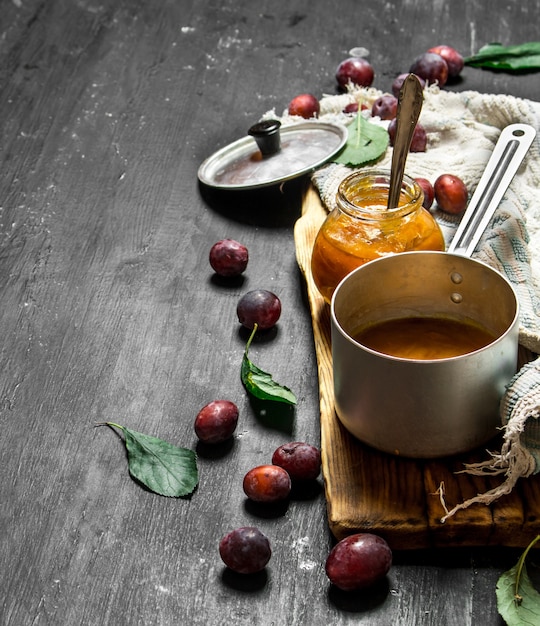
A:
267, 136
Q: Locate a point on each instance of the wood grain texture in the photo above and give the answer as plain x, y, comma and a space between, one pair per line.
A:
109, 309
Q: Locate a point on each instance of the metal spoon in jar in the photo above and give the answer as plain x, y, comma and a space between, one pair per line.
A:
409, 106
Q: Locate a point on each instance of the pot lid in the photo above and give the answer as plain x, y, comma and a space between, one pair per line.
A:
271, 154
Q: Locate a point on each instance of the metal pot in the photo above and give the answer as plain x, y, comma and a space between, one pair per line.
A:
419, 408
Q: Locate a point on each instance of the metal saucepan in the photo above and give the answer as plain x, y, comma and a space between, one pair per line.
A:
424, 408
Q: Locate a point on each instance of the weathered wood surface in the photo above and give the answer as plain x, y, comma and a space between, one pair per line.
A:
109, 309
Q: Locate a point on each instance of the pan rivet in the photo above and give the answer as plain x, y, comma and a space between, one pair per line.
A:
456, 278
456, 298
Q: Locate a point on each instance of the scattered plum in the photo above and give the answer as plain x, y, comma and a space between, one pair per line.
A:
453, 59
301, 461
398, 83
259, 307
267, 483
305, 105
245, 550
429, 193
216, 421
419, 138
352, 107
385, 107
451, 193
228, 257
358, 561
355, 70
431, 67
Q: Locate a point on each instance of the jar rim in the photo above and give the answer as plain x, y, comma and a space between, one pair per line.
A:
410, 190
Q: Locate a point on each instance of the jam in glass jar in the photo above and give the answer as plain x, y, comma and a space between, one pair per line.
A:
361, 228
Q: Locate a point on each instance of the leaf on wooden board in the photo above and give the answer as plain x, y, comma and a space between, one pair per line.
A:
516, 58
366, 143
260, 383
518, 602
162, 467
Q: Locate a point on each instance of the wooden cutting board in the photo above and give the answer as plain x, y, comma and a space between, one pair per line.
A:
397, 498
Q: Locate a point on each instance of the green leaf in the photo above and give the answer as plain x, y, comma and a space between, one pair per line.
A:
518, 602
517, 58
165, 469
366, 143
261, 384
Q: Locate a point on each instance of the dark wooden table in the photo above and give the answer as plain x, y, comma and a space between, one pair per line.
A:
110, 311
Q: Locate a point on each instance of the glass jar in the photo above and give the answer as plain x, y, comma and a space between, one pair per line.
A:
361, 228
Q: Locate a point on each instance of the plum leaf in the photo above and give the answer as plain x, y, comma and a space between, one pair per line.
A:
261, 384
495, 56
366, 143
162, 467
518, 602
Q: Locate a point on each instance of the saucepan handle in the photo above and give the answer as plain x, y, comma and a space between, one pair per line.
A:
511, 147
